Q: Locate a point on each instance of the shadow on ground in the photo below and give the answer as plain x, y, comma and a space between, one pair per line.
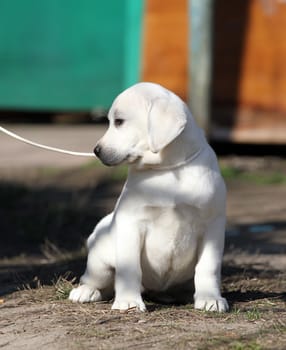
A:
44, 227
267, 237
32, 215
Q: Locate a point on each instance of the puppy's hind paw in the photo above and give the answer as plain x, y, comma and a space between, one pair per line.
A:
124, 305
85, 294
212, 304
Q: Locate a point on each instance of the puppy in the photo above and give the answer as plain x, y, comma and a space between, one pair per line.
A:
167, 228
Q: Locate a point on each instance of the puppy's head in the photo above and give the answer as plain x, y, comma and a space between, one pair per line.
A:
144, 118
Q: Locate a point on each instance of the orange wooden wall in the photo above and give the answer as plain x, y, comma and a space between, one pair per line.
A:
250, 52
249, 83
263, 63
165, 44
249, 67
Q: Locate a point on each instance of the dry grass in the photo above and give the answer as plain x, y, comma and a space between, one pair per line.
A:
250, 325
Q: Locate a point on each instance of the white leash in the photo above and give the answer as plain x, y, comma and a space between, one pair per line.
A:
54, 149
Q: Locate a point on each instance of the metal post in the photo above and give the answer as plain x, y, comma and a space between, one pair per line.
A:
201, 17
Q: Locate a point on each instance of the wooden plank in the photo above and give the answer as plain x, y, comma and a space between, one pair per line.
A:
263, 69
249, 83
250, 126
165, 44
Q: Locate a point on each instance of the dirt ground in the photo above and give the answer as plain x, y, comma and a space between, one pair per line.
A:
47, 213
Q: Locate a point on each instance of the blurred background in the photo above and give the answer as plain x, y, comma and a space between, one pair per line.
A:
61, 65
59, 58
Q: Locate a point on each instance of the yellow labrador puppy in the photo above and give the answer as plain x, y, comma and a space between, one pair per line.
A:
167, 228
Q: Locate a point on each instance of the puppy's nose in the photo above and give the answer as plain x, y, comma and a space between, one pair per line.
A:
97, 150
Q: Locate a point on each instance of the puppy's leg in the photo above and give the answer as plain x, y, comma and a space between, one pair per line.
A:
97, 282
95, 285
128, 266
208, 270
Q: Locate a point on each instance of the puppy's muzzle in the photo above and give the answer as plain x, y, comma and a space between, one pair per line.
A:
108, 156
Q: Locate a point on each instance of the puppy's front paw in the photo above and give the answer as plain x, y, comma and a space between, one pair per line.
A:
125, 304
85, 294
211, 304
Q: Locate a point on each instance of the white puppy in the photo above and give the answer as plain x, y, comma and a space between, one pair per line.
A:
168, 224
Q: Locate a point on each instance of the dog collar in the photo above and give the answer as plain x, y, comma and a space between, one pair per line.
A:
178, 165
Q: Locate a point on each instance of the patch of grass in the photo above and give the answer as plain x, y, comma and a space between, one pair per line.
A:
60, 289
63, 286
230, 173
116, 173
239, 345
248, 342
91, 164
48, 171
119, 173
266, 178
235, 311
253, 314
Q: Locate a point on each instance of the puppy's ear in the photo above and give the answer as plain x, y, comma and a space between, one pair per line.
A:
166, 120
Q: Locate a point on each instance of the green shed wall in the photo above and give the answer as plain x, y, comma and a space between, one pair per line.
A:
68, 54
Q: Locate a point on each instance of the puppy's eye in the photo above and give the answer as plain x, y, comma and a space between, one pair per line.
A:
118, 122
